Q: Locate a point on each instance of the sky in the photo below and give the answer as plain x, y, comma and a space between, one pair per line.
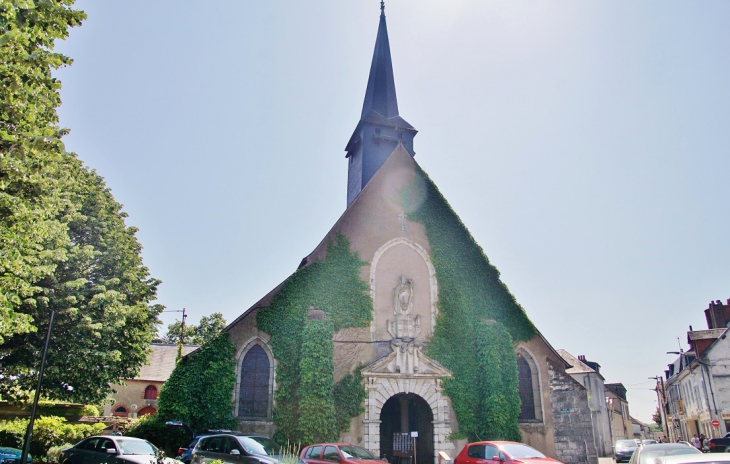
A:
584, 144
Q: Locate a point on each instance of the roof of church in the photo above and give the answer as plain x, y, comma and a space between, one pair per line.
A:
380, 93
381, 103
577, 366
161, 362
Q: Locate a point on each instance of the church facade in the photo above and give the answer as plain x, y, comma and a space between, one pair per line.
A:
428, 314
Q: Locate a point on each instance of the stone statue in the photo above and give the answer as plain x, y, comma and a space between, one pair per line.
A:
404, 326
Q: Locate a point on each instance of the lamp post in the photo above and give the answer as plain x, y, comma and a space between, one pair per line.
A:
29, 431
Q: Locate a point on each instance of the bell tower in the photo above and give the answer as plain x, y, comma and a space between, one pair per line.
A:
380, 128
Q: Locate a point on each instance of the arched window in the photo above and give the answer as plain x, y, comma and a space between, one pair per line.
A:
253, 397
529, 387
150, 393
527, 396
121, 411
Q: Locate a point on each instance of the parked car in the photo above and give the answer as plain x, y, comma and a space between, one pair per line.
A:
344, 453
649, 442
719, 445
508, 452
12, 456
236, 448
721, 458
185, 454
647, 454
109, 449
624, 449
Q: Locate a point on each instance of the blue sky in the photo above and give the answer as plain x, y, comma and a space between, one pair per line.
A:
584, 144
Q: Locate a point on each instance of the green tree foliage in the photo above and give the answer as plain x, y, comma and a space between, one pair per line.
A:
32, 179
332, 285
478, 321
198, 391
102, 296
64, 245
208, 328
317, 407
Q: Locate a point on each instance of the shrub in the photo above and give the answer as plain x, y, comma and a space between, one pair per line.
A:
55, 451
48, 432
153, 429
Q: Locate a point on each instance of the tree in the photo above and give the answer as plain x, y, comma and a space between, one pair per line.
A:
64, 245
32, 230
206, 330
657, 417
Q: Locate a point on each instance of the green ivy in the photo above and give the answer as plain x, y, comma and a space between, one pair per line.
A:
198, 391
479, 320
306, 393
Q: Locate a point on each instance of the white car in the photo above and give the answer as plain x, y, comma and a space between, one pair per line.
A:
707, 458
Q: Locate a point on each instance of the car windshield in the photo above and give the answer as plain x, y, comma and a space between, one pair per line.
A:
518, 451
624, 444
259, 445
649, 456
355, 452
135, 447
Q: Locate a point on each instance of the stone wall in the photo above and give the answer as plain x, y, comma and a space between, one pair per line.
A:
574, 441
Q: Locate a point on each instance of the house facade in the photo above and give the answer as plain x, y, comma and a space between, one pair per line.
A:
137, 397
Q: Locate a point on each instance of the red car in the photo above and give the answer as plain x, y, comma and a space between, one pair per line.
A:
497, 452
343, 453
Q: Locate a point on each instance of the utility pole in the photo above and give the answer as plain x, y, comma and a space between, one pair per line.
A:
662, 402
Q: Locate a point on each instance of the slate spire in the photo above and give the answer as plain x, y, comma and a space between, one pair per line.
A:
380, 129
380, 93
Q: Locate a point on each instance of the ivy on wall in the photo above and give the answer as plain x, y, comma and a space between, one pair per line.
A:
198, 391
307, 403
479, 320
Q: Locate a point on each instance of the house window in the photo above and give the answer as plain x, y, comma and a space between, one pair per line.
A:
121, 411
150, 393
253, 398
527, 396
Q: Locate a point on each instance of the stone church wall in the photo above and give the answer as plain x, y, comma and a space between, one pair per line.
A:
572, 419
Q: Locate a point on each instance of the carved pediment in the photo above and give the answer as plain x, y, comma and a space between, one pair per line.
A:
406, 360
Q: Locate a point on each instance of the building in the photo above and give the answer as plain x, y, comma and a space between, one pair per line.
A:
697, 383
588, 374
618, 412
137, 397
408, 263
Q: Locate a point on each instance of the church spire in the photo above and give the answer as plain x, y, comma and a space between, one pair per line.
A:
380, 129
380, 93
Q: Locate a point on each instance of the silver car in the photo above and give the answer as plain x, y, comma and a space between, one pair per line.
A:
110, 449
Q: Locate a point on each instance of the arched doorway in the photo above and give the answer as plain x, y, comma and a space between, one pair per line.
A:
407, 412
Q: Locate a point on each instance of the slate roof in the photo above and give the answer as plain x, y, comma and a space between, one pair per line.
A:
161, 362
578, 367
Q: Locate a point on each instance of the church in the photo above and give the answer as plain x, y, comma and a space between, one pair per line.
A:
397, 323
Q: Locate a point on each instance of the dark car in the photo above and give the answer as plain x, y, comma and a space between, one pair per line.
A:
11, 456
236, 448
496, 452
344, 453
647, 454
185, 454
624, 449
109, 449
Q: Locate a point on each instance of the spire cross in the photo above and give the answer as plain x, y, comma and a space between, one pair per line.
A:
382, 7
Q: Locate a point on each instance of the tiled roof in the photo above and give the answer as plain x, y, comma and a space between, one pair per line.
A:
578, 367
161, 362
